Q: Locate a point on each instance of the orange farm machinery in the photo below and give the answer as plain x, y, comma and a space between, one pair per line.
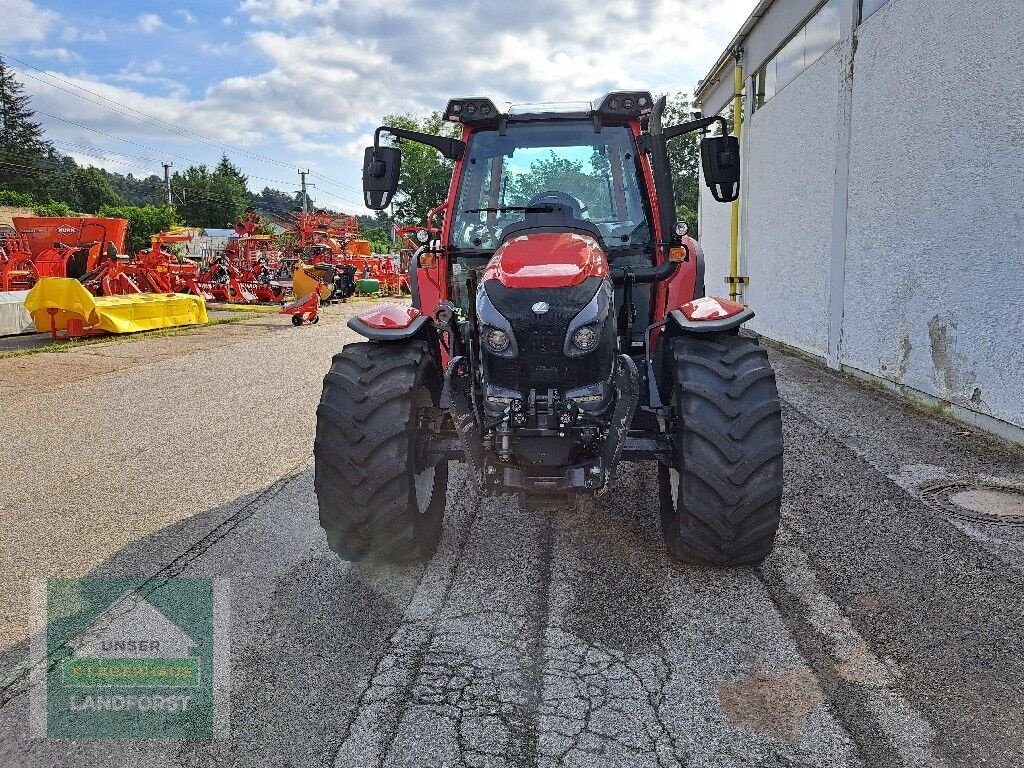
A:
17, 272
58, 246
247, 271
152, 270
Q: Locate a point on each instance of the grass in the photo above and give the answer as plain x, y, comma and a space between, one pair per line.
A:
71, 345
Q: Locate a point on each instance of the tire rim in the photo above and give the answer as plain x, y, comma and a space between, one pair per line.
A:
673, 484
424, 483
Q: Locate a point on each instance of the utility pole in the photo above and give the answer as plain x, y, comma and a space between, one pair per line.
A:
167, 180
305, 197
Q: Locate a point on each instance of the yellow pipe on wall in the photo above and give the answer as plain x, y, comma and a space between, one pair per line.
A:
734, 235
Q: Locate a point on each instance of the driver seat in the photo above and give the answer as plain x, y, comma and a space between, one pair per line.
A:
561, 218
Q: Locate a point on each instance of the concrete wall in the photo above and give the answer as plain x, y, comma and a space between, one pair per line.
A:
713, 232
935, 246
790, 150
924, 284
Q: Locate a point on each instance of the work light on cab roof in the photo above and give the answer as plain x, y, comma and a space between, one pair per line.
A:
618, 104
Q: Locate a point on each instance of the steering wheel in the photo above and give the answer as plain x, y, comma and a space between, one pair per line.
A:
559, 198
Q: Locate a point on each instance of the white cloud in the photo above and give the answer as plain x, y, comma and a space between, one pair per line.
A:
24, 20
216, 49
187, 17
326, 70
373, 60
150, 22
55, 54
72, 34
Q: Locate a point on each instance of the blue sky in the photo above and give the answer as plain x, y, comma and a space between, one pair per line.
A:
284, 84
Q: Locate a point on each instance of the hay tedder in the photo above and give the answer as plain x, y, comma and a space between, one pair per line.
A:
246, 272
151, 270
559, 326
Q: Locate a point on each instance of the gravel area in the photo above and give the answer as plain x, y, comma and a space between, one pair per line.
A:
881, 632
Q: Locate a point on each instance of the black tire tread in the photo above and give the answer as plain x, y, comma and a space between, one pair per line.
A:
363, 452
729, 452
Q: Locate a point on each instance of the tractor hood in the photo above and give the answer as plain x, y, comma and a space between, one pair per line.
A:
547, 260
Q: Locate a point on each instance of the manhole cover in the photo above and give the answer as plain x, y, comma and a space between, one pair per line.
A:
983, 502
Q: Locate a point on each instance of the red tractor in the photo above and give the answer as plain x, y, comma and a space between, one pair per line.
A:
558, 327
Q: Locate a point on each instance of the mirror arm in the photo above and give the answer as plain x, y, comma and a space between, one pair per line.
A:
453, 149
674, 131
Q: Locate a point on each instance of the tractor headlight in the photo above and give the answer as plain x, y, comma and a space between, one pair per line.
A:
585, 338
497, 340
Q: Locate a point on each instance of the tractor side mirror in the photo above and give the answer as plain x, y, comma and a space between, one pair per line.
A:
720, 158
381, 166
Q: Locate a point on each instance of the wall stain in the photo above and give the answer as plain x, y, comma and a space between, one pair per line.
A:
773, 703
905, 350
951, 371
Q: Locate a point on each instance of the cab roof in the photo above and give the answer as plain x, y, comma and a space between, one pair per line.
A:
480, 111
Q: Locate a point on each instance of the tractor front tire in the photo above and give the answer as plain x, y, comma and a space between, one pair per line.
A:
721, 498
380, 497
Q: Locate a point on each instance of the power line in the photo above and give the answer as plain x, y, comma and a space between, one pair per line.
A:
153, 120
145, 116
146, 146
338, 183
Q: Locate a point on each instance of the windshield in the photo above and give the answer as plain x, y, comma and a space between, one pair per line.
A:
594, 173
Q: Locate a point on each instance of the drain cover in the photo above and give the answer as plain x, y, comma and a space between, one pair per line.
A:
982, 502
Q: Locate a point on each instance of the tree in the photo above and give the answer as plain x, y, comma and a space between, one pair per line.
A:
228, 169
53, 208
218, 199
23, 149
17, 199
137, 191
142, 222
684, 157
425, 176
274, 201
93, 190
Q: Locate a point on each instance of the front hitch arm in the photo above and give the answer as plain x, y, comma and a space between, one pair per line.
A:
458, 392
627, 387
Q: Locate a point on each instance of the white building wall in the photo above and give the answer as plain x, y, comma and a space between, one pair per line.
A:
713, 223
790, 151
927, 290
935, 244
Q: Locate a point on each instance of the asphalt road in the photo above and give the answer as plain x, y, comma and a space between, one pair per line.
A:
881, 632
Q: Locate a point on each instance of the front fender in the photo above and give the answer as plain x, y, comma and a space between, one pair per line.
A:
710, 315
391, 322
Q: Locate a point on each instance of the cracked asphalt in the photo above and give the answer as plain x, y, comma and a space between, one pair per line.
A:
881, 632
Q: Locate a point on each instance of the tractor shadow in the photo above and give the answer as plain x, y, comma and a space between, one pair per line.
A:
307, 630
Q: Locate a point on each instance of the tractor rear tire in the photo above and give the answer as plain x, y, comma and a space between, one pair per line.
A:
721, 499
380, 497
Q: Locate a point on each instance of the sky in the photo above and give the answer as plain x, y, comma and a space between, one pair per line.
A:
280, 85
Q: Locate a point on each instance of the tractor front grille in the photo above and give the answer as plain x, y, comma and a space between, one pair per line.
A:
542, 363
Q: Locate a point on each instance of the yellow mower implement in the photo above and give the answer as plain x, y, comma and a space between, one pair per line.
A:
304, 282
63, 304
